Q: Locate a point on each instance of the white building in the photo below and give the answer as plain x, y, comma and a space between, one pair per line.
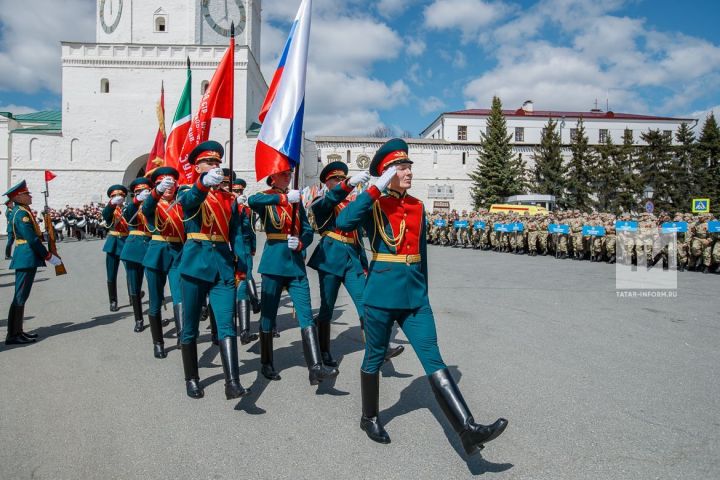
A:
446, 151
110, 90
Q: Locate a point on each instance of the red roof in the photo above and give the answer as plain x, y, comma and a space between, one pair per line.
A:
558, 114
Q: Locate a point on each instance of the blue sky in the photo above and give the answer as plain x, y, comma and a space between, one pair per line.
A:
400, 63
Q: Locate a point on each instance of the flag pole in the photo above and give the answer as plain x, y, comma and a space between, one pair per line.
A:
232, 102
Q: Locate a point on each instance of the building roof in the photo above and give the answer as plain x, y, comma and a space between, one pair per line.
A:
380, 141
44, 117
483, 112
49, 121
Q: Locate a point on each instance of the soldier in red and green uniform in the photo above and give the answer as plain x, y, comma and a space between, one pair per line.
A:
135, 247
283, 266
30, 253
397, 291
117, 233
208, 267
162, 260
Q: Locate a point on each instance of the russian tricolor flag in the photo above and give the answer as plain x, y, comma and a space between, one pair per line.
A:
280, 139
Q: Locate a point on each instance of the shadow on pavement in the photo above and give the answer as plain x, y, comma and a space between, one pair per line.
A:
419, 395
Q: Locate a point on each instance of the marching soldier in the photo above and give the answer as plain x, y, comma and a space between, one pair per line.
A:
118, 232
30, 253
246, 286
396, 290
339, 257
133, 252
162, 260
208, 267
282, 266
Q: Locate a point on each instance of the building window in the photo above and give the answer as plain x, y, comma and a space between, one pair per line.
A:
347, 156
573, 134
487, 131
204, 85
435, 157
74, 149
462, 132
441, 191
667, 133
629, 134
519, 134
114, 151
602, 138
464, 156
334, 158
104, 85
33, 149
160, 24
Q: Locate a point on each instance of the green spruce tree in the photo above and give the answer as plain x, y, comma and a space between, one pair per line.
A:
499, 173
630, 187
549, 172
655, 165
606, 177
579, 173
683, 167
708, 163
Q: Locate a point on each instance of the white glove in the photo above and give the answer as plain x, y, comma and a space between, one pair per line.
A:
54, 260
214, 177
386, 178
165, 183
241, 199
358, 178
293, 196
293, 243
117, 200
140, 197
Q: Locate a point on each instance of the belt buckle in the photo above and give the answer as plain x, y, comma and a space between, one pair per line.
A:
407, 260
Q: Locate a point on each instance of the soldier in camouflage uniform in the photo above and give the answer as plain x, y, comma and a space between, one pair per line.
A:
700, 242
576, 224
533, 234
610, 238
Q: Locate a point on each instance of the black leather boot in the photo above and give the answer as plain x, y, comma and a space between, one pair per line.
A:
112, 295
190, 366
243, 312
317, 372
253, 295
369, 421
19, 318
156, 331
266, 356
472, 435
136, 303
14, 336
178, 318
393, 352
324, 337
213, 325
231, 368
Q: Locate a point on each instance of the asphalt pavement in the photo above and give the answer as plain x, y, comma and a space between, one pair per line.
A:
595, 385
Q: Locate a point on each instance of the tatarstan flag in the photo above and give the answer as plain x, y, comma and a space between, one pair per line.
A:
178, 133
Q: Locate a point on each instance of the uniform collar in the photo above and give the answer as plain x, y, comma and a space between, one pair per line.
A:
396, 194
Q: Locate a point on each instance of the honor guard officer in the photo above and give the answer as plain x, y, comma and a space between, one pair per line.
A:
162, 260
397, 291
283, 266
244, 292
30, 253
133, 252
208, 267
339, 257
118, 231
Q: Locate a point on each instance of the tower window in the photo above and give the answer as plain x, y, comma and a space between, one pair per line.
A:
204, 87
160, 23
104, 85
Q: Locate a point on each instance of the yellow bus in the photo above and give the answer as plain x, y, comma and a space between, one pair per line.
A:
522, 209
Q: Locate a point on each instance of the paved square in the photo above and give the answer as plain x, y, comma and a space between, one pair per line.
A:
595, 386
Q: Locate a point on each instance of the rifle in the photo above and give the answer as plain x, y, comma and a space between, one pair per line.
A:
52, 246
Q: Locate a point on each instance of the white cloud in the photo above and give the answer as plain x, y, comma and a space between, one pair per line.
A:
470, 16
415, 47
30, 40
388, 8
17, 109
430, 105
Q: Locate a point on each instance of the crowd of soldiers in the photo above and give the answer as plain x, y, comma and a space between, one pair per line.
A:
697, 249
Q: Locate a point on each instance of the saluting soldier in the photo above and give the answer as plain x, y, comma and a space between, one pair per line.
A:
397, 291
118, 231
30, 253
133, 252
165, 221
208, 267
245, 285
282, 266
339, 257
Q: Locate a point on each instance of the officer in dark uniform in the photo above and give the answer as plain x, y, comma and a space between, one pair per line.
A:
165, 222
283, 266
397, 291
208, 267
133, 252
117, 233
30, 253
339, 258
8, 230
243, 303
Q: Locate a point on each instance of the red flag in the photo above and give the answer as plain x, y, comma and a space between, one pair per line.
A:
217, 102
49, 175
157, 153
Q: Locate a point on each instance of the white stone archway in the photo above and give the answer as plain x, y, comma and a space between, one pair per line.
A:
135, 169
